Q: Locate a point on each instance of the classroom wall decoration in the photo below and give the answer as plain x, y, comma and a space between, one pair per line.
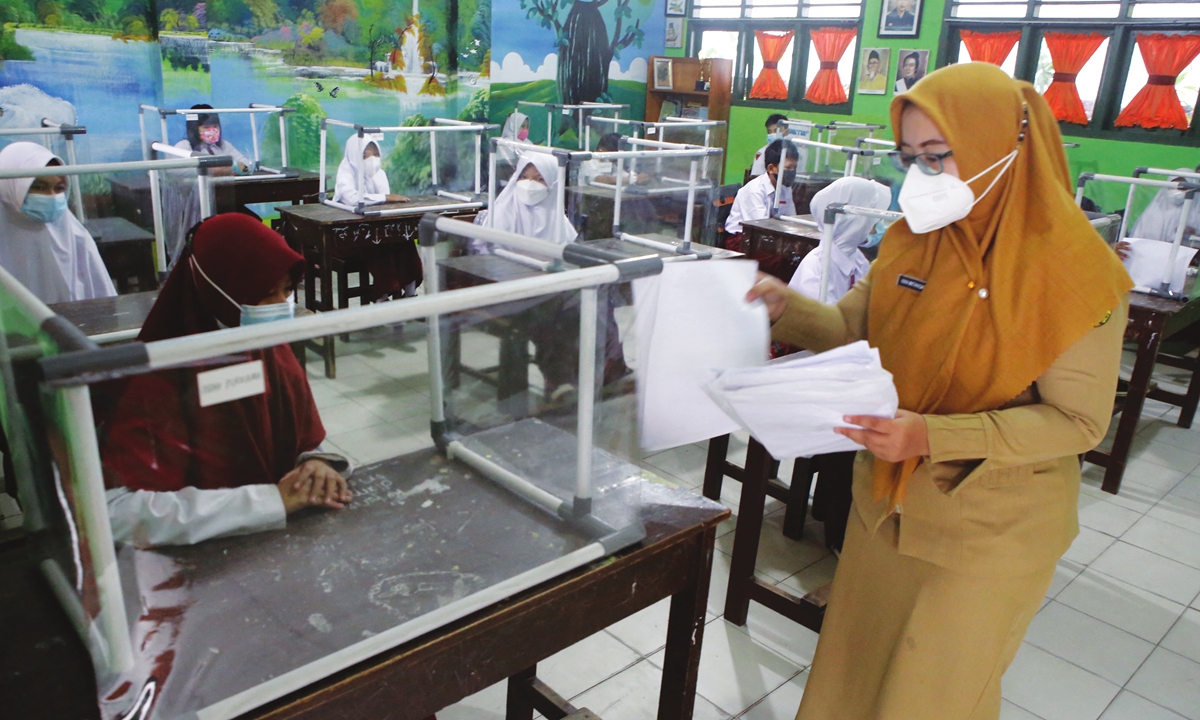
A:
572, 51
911, 66
901, 19
873, 71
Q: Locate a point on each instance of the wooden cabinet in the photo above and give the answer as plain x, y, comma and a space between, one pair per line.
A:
684, 74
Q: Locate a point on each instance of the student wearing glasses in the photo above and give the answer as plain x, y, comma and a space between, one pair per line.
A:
999, 312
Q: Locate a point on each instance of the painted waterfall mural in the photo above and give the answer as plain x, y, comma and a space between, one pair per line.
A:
572, 51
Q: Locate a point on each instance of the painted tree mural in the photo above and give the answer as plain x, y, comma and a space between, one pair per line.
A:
586, 44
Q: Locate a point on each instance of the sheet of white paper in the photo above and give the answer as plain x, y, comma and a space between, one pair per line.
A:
693, 320
1148, 261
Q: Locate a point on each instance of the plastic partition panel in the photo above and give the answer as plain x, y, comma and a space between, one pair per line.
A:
244, 603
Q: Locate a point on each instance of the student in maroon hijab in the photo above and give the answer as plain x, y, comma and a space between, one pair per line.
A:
179, 473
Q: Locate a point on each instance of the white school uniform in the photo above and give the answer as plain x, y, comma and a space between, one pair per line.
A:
754, 202
375, 188
847, 264
56, 261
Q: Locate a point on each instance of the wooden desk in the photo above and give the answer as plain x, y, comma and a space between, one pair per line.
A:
778, 246
1151, 320
127, 251
232, 194
45, 672
105, 316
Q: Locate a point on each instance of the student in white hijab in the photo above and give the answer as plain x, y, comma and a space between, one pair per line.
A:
528, 204
847, 263
42, 244
1160, 219
516, 129
376, 189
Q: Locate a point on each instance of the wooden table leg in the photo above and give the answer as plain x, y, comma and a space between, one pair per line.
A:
714, 467
685, 635
329, 351
1139, 384
745, 539
1187, 412
797, 502
518, 705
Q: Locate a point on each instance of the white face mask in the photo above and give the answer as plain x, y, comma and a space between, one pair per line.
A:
531, 192
931, 202
1176, 197
370, 166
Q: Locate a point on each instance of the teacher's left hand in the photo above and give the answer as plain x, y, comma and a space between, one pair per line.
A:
891, 439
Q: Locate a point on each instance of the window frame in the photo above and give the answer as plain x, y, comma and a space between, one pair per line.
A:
1121, 30
743, 64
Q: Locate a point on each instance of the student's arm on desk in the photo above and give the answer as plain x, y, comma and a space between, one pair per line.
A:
147, 518
806, 323
1071, 415
346, 193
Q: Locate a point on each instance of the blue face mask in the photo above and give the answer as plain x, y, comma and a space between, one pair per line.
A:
254, 314
45, 208
875, 237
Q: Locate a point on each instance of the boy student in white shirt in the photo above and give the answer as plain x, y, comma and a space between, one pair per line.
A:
759, 166
756, 200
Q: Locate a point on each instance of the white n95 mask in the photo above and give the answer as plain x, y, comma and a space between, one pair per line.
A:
370, 166
531, 192
931, 202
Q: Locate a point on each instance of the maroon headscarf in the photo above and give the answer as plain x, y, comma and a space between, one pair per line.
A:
157, 437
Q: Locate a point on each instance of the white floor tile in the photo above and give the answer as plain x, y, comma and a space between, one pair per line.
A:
736, 672
1170, 680
1085, 641
685, 462
645, 631
1134, 610
347, 417
1188, 488
1168, 540
1128, 706
1009, 711
781, 704
1088, 546
1064, 572
585, 664
1162, 431
812, 577
780, 557
1133, 495
1168, 456
1147, 570
1104, 516
1053, 688
1184, 638
633, 694
776, 632
488, 704
1179, 511
1152, 475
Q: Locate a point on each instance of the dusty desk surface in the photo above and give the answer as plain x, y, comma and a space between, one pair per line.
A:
322, 213
111, 314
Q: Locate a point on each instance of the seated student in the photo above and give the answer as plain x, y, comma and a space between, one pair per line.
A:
528, 206
599, 170
516, 129
204, 138
179, 473
756, 199
1160, 219
760, 165
42, 244
847, 265
395, 268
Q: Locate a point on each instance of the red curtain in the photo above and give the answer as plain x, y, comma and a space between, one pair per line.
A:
990, 47
831, 44
1069, 52
769, 84
1157, 105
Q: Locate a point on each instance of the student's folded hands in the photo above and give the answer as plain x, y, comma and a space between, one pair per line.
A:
313, 484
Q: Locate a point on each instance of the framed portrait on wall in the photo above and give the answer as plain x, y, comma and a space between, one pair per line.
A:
900, 18
873, 76
912, 65
674, 37
662, 74
676, 7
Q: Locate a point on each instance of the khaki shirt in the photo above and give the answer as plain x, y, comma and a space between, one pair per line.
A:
999, 492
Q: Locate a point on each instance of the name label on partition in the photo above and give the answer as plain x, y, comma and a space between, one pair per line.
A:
231, 383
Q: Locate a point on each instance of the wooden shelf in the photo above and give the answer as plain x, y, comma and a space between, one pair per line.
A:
691, 93
684, 74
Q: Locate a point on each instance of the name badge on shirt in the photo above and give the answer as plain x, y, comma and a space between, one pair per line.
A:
912, 283
231, 383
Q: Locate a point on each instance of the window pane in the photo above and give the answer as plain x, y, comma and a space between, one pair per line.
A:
1009, 65
845, 65
990, 11
1087, 81
1080, 10
785, 62
1166, 10
718, 44
1186, 85
717, 12
771, 12
833, 11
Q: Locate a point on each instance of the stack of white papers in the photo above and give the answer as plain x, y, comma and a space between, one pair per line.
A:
693, 320
792, 405
1147, 263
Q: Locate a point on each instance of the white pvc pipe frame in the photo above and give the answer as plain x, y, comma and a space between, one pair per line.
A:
567, 109
670, 122
440, 125
1145, 182
49, 127
851, 153
827, 237
153, 166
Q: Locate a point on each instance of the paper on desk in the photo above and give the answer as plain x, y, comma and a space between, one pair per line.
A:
691, 321
792, 405
1147, 263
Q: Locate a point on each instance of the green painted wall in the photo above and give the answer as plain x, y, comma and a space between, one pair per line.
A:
747, 134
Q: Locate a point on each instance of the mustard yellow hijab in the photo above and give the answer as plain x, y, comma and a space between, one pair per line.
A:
1009, 287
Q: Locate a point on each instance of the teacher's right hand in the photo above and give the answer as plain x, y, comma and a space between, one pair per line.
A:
772, 292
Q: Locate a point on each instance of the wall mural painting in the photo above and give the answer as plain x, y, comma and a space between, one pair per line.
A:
572, 51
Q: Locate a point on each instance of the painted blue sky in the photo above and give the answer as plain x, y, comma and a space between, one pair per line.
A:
513, 33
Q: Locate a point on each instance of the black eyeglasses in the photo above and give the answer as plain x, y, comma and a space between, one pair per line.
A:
930, 163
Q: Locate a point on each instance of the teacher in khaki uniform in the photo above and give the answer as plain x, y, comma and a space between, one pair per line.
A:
1000, 313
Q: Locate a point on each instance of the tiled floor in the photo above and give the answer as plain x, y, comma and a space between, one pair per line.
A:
1118, 637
